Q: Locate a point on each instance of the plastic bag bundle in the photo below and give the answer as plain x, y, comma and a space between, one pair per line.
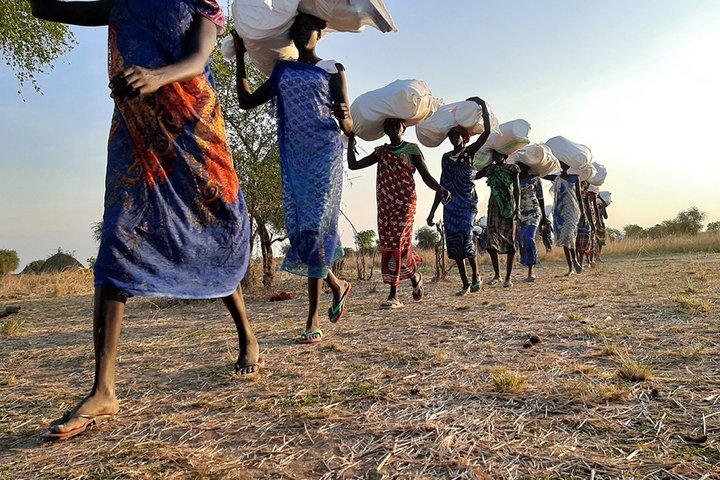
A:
512, 137
264, 25
601, 175
574, 155
606, 196
467, 115
538, 157
410, 100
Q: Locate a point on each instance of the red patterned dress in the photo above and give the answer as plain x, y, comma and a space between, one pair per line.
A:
396, 200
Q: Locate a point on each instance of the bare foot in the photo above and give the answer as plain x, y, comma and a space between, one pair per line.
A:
82, 414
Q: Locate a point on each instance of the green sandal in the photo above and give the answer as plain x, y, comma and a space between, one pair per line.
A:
311, 337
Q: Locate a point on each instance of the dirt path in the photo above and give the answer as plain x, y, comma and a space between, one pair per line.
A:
410, 393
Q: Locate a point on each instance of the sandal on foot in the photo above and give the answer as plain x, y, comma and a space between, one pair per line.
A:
493, 282
418, 290
311, 337
90, 421
507, 284
251, 369
462, 292
476, 287
387, 304
529, 279
336, 312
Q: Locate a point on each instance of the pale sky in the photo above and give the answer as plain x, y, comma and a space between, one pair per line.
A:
636, 81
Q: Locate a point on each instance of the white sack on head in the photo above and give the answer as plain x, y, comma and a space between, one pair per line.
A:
585, 174
538, 158
468, 115
601, 175
264, 25
512, 137
574, 155
593, 188
606, 196
409, 100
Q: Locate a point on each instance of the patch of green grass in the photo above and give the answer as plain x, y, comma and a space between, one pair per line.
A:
508, 380
11, 326
592, 331
575, 316
634, 370
330, 347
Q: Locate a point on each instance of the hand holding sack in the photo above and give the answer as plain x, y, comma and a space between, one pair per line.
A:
264, 25
467, 115
513, 136
538, 157
409, 100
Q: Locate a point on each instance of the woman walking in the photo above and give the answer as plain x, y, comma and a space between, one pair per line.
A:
458, 177
567, 215
396, 202
504, 183
175, 222
310, 98
532, 215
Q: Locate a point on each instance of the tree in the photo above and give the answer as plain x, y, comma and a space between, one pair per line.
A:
688, 222
252, 136
9, 261
633, 230
29, 45
713, 227
364, 244
426, 238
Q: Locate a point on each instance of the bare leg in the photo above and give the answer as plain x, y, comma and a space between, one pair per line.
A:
463, 273
249, 354
580, 255
107, 322
314, 291
509, 267
570, 261
474, 268
530, 276
495, 263
337, 286
393, 293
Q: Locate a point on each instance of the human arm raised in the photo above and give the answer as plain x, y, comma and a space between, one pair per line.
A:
475, 146
87, 14
135, 80
247, 99
353, 162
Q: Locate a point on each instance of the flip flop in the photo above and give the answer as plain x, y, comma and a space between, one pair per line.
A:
476, 287
508, 284
254, 368
419, 290
311, 337
493, 282
390, 304
462, 292
91, 420
336, 313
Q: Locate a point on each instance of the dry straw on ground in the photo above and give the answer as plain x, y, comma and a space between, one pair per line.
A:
388, 394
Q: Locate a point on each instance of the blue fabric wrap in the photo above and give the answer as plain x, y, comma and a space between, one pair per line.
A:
459, 214
311, 155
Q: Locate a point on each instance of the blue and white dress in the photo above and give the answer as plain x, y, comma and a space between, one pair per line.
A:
458, 176
311, 155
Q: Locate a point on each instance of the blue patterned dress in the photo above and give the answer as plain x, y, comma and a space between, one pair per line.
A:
530, 216
175, 222
566, 214
458, 176
311, 155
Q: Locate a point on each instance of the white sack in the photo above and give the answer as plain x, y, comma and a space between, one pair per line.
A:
538, 157
574, 155
601, 175
512, 137
606, 196
264, 25
585, 174
410, 100
468, 115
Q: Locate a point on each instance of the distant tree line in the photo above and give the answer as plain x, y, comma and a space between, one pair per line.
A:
687, 222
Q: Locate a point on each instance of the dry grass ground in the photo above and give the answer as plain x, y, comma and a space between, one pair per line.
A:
442, 388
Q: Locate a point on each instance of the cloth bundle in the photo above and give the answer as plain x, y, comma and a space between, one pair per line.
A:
512, 137
606, 196
586, 174
574, 155
264, 25
409, 100
600, 176
538, 157
467, 115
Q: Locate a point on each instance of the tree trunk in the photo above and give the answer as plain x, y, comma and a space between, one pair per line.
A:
266, 242
249, 278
